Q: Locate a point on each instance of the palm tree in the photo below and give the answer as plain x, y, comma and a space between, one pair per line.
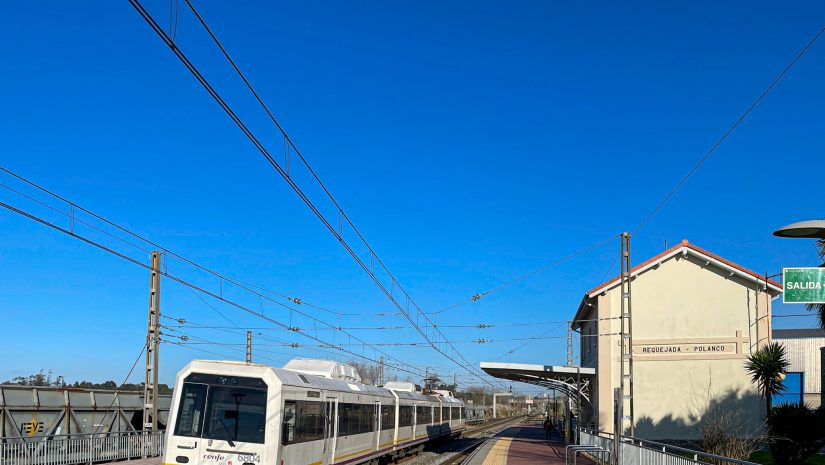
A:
767, 367
819, 308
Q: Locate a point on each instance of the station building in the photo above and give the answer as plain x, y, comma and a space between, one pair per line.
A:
695, 317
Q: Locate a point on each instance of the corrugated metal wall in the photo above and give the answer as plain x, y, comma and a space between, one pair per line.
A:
805, 357
32, 413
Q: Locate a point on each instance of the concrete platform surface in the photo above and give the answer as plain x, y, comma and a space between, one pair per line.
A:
523, 444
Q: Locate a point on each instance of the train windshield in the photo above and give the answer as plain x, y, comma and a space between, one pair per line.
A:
227, 408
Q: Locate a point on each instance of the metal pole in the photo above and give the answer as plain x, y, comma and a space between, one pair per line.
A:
249, 347
578, 403
150, 386
617, 425
381, 371
626, 342
822, 376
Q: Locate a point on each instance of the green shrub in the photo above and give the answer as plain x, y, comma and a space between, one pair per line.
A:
796, 433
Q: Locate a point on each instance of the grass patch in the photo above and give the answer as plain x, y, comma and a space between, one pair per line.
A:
765, 458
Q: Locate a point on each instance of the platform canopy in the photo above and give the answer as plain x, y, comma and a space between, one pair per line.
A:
571, 380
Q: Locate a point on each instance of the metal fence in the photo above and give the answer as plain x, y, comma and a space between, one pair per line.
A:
635, 451
80, 448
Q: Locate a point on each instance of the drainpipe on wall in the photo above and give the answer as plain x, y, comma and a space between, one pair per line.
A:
822, 376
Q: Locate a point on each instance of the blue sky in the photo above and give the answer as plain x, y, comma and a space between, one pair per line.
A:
470, 142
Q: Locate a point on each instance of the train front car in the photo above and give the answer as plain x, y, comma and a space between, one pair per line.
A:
311, 412
221, 415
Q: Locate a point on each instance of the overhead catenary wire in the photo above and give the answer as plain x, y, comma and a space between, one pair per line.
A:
185, 323
390, 362
525, 344
241, 285
194, 340
297, 328
154, 245
191, 340
525, 323
424, 344
722, 139
476, 297
794, 315
125, 380
183, 282
730, 129
681, 182
240, 331
437, 339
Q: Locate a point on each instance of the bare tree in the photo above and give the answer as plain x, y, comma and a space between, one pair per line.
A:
724, 427
369, 372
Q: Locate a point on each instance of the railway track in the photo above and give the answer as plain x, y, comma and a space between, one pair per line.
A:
456, 451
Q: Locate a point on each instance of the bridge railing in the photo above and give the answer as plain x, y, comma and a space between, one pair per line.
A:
80, 448
635, 451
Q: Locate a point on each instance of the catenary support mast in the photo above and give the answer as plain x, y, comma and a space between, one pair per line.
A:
150, 386
626, 421
249, 347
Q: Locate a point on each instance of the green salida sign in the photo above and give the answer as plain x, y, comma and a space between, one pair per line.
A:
803, 285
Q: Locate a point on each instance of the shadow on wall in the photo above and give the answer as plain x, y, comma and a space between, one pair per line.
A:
736, 414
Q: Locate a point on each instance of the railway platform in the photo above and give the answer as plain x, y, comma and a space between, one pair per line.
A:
522, 444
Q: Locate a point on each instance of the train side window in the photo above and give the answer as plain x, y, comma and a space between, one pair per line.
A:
405, 416
310, 421
190, 414
424, 415
288, 430
356, 419
387, 417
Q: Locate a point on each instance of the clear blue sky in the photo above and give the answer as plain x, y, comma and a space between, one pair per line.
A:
471, 142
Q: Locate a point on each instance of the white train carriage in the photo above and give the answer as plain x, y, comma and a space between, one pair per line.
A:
311, 412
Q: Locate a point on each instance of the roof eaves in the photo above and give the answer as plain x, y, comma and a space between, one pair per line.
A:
684, 247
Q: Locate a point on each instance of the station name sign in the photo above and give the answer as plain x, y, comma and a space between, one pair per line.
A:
803, 285
685, 349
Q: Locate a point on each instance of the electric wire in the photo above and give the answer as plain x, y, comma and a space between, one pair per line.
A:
525, 344
264, 328
188, 324
183, 323
125, 380
175, 278
526, 323
730, 129
342, 216
188, 339
468, 341
391, 362
168, 272
479, 295
74, 218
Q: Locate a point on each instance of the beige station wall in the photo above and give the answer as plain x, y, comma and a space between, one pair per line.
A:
693, 325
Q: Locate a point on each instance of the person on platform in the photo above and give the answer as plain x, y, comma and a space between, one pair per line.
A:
548, 428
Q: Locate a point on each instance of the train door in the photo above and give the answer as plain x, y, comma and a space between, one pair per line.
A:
376, 423
330, 428
415, 422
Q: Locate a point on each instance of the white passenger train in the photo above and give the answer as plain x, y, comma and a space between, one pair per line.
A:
311, 412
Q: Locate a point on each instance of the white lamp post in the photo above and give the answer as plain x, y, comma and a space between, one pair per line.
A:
813, 229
